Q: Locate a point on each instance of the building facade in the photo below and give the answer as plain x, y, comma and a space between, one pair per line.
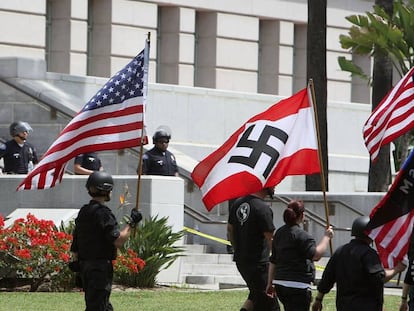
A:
256, 46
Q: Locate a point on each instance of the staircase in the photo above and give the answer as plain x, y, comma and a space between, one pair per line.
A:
201, 269
207, 270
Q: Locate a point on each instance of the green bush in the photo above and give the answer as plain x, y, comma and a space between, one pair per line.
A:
154, 242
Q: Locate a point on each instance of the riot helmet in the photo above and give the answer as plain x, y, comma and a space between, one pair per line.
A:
359, 226
100, 184
19, 127
162, 131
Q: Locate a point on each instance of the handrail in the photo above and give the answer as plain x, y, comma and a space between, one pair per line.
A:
200, 217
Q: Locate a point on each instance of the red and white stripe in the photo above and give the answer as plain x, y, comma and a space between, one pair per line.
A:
220, 180
111, 127
393, 117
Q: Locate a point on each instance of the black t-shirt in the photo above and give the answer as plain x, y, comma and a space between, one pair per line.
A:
89, 161
250, 217
292, 253
16, 158
157, 162
96, 229
359, 276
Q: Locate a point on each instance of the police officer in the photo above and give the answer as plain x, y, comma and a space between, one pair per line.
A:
158, 160
250, 230
358, 273
86, 163
96, 238
18, 155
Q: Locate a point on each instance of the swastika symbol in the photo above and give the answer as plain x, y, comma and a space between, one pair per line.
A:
259, 147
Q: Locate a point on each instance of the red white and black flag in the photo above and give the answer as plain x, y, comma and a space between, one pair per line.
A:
278, 142
112, 119
392, 219
393, 117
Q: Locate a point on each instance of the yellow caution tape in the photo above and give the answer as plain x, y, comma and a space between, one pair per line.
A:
207, 236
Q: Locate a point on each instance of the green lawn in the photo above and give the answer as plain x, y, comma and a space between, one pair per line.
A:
148, 300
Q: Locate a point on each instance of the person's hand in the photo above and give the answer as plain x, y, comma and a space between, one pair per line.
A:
400, 267
136, 217
403, 305
329, 232
270, 290
317, 305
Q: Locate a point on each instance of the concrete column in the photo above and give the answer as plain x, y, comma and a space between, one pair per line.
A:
67, 36
176, 46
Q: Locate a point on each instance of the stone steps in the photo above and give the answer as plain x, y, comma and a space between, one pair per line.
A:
201, 268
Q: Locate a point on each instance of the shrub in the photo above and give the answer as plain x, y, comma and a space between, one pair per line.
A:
40, 252
154, 242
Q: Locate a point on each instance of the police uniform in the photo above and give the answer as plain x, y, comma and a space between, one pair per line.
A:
250, 217
357, 270
16, 158
96, 229
293, 250
157, 162
89, 161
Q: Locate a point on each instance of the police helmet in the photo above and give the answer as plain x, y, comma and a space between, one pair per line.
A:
101, 181
19, 127
359, 225
161, 133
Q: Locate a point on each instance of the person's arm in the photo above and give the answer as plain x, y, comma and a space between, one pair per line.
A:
317, 304
270, 276
323, 244
269, 238
404, 297
80, 170
123, 236
390, 273
125, 233
230, 236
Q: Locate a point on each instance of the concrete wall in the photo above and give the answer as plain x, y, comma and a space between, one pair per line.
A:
160, 196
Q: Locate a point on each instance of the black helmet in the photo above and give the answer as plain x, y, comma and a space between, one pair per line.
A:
161, 134
163, 131
102, 181
19, 127
359, 225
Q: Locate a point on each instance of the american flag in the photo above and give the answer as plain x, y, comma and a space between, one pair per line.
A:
112, 119
393, 117
392, 219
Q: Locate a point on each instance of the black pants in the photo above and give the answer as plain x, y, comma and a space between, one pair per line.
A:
294, 299
255, 276
97, 278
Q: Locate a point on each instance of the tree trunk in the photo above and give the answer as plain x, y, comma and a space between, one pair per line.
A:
316, 70
379, 176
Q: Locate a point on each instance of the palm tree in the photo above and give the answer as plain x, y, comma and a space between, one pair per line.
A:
316, 70
387, 33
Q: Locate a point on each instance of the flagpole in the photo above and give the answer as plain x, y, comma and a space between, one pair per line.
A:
322, 172
145, 93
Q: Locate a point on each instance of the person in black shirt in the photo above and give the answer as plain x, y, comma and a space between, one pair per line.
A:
96, 238
358, 273
250, 230
291, 269
158, 160
86, 163
18, 155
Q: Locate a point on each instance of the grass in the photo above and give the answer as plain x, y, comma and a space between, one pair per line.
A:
149, 300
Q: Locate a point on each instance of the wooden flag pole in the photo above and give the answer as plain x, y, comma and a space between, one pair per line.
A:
145, 92
322, 172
